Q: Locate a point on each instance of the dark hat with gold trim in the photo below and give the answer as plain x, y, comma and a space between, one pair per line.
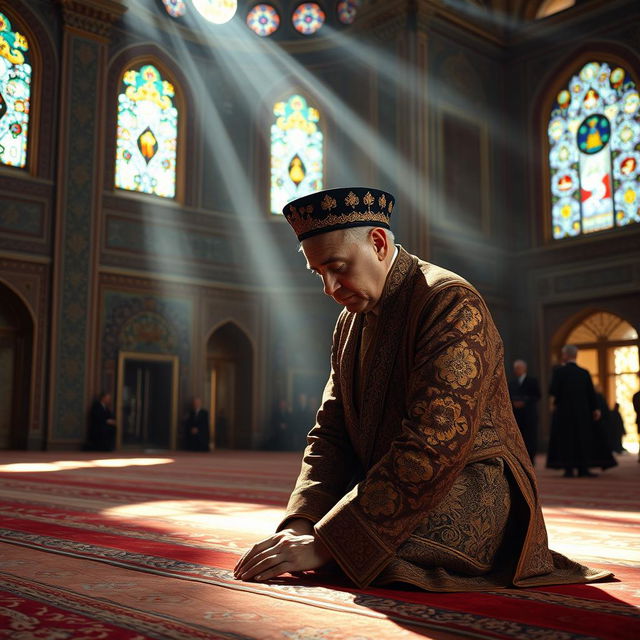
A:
343, 208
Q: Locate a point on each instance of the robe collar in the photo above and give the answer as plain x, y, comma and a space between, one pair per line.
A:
367, 409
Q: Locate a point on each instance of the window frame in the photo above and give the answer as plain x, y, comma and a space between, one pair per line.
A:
563, 74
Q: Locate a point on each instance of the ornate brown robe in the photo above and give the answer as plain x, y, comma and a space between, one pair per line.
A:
415, 470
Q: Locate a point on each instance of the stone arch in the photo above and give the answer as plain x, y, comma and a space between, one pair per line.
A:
609, 348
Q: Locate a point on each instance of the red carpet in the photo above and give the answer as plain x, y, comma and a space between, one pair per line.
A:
143, 547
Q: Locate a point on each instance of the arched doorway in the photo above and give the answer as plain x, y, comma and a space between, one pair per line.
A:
16, 350
230, 372
609, 350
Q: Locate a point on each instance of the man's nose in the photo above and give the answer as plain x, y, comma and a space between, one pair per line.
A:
330, 284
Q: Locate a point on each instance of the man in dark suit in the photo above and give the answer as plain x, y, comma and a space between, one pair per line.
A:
525, 395
102, 425
574, 441
196, 427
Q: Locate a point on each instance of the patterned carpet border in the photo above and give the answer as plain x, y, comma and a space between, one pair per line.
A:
367, 604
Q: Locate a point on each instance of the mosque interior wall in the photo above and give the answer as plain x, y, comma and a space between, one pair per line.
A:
104, 271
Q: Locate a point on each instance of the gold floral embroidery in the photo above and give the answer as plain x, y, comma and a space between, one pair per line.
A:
465, 317
352, 199
457, 366
441, 419
390, 206
382, 201
413, 467
368, 199
380, 498
328, 203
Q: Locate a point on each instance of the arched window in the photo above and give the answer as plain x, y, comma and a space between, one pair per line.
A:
296, 151
594, 157
608, 348
147, 135
15, 93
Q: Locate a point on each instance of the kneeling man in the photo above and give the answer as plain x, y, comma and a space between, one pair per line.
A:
415, 470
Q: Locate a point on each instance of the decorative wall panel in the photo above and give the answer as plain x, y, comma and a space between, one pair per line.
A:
175, 242
70, 393
22, 216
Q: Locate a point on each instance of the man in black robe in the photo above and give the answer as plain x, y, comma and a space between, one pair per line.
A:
197, 427
574, 441
525, 395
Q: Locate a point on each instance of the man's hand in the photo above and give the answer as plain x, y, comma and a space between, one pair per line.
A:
518, 404
285, 552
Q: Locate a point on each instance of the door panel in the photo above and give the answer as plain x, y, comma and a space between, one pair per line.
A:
147, 401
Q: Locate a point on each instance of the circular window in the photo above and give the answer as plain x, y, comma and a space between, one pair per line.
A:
216, 11
175, 8
346, 11
263, 19
308, 18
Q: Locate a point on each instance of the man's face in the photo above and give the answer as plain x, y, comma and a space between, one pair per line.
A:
353, 273
519, 369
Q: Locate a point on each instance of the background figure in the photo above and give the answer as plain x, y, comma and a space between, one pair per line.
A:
603, 423
525, 395
574, 443
222, 429
280, 433
302, 419
616, 430
636, 408
102, 425
196, 427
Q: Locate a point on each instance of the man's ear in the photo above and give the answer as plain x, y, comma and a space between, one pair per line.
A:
380, 243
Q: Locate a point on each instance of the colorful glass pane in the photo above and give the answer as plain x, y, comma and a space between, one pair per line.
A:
147, 133
308, 18
594, 157
216, 11
175, 8
296, 152
346, 11
263, 19
15, 93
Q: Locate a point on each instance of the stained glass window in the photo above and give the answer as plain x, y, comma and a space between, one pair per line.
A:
216, 11
175, 8
346, 11
308, 18
263, 19
147, 133
594, 136
15, 92
296, 152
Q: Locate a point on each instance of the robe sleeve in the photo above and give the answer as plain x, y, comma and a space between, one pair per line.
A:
329, 461
456, 356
